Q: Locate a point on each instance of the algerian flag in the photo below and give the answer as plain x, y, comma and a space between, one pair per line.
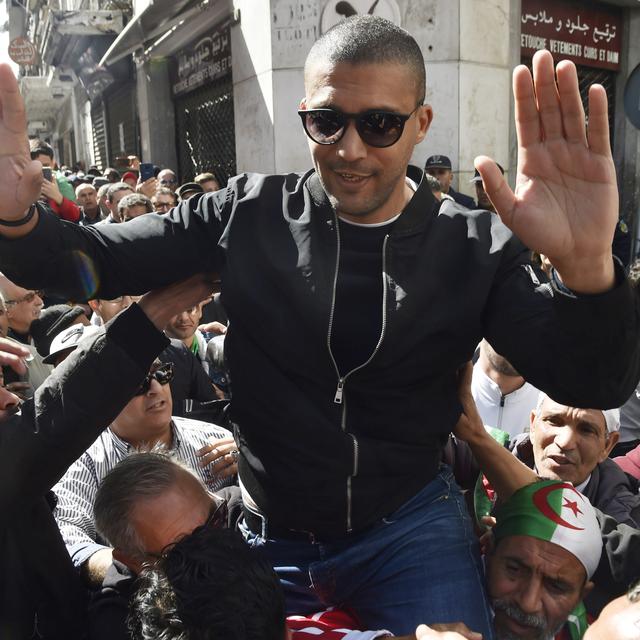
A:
554, 511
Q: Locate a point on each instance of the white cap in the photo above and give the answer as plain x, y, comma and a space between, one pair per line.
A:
68, 339
611, 416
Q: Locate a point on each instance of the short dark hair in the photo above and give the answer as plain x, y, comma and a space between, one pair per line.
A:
370, 40
111, 174
210, 584
38, 147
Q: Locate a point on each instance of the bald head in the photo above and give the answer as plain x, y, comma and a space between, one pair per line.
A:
365, 40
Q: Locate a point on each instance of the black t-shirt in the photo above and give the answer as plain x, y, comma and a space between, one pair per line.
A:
357, 317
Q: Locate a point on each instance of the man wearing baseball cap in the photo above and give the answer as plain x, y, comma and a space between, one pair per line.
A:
440, 167
573, 445
548, 545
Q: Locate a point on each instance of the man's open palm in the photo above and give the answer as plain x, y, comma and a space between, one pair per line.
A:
21, 177
565, 203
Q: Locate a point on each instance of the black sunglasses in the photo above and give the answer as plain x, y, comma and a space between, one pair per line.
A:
376, 128
163, 375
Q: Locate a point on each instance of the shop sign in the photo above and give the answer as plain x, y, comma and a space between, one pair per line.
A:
22, 52
590, 36
203, 61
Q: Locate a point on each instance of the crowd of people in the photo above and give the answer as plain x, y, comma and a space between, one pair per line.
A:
350, 404
108, 196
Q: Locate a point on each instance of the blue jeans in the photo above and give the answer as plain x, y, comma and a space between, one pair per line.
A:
419, 564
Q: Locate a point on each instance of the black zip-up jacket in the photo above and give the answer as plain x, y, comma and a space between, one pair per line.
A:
451, 276
40, 591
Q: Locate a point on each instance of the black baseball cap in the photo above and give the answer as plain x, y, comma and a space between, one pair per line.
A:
191, 188
437, 162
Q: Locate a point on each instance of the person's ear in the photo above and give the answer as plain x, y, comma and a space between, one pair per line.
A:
588, 585
94, 305
302, 105
424, 118
610, 442
532, 422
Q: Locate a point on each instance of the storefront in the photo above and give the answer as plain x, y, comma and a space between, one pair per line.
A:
591, 36
121, 110
202, 88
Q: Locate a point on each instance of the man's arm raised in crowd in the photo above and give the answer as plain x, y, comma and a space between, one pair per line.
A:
503, 470
72, 407
80, 262
565, 203
582, 345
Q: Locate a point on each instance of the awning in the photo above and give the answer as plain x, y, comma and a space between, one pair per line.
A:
152, 22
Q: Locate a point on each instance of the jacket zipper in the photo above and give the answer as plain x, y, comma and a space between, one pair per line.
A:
340, 397
532, 274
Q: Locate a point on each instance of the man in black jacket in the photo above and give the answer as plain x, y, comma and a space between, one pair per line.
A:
352, 302
40, 593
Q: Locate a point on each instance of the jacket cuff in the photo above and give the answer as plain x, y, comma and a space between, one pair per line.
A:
135, 334
606, 311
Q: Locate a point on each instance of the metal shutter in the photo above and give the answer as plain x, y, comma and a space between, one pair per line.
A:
205, 132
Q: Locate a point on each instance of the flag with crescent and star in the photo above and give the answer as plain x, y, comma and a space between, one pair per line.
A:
554, 511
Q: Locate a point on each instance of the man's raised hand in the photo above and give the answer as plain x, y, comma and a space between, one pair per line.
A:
21, 177
565, 203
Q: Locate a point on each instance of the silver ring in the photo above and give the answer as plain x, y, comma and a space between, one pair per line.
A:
235, 455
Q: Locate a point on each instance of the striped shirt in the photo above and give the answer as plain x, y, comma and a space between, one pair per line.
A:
76, 490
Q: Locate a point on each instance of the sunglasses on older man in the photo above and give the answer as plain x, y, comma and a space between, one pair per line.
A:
163, 375
217, 519
375, 128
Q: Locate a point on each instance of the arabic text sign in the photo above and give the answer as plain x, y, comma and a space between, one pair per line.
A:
22, 52
587, 36
203, 61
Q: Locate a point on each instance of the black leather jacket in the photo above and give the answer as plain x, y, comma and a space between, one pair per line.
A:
320, 453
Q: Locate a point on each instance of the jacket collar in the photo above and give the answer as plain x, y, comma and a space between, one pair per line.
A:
418, 212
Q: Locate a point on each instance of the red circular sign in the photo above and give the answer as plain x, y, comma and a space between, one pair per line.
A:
21, 51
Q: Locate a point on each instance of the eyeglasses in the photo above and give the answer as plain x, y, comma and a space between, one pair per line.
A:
218, 518
376, 128
163, 375
174, 181
27, 297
